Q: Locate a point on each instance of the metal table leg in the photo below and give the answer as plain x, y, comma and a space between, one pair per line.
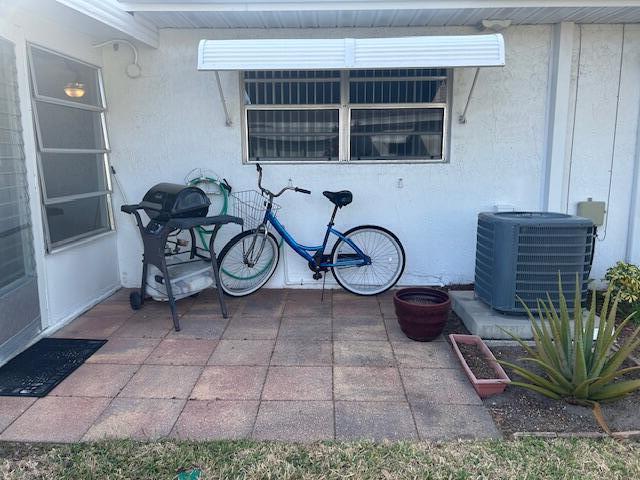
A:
216, 272
172, 301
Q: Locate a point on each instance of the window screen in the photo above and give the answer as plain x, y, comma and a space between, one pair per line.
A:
380, 115
64, 127
75, 218
53, 73
396, 133
293, 134
72, 147
88, 173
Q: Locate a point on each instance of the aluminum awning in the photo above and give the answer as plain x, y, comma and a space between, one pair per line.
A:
352, 53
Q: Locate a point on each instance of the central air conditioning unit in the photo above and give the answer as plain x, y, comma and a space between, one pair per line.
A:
520, 254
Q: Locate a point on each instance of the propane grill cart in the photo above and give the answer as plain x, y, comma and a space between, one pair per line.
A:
173, 208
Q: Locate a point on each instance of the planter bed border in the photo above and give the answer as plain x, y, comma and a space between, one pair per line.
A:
625, 435
483, 387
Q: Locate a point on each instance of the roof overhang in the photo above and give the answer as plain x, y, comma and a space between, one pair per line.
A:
110, 13
352, 53
344, 5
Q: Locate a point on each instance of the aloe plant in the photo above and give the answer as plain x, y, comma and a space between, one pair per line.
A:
580, 367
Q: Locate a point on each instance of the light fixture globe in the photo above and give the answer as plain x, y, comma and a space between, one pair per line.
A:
74, 90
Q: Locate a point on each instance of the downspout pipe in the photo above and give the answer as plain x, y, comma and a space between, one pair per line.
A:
633, 231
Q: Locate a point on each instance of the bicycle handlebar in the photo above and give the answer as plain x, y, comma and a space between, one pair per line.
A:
274, 195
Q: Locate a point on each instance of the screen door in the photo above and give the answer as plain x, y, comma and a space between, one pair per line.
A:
19, 303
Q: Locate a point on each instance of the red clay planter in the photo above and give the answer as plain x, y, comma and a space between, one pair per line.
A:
484, 387
422, 312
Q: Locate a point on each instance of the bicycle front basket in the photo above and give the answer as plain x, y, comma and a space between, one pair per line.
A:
250, 206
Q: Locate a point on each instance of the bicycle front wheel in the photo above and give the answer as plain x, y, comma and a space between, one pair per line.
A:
387, 260
247, 262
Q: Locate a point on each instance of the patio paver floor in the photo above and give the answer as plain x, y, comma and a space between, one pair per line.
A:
216, 420
294, 421
242, 352
283, 367
374, 421
137, 418
95, 380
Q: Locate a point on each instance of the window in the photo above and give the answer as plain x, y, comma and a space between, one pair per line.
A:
358, 115
68, 109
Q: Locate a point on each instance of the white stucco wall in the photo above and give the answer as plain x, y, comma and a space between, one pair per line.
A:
77, 277
171, 121
603, 149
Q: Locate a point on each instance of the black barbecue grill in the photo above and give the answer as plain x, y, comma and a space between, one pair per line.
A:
172, 208
169, 200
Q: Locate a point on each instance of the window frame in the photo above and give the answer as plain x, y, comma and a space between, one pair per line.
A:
52, 247
344, 124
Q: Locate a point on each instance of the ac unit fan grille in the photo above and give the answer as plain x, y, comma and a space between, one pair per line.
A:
542, 254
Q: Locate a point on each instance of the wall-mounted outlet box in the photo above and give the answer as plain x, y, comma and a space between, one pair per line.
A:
594, 211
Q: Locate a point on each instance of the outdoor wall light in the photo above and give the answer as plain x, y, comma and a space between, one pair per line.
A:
74, 89
133, 70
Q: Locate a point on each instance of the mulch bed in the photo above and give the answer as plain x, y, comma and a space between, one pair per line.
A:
520, 410
624, 310
454, 325
626, 333
628, 330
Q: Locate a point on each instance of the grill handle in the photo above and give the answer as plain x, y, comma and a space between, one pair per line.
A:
130, 208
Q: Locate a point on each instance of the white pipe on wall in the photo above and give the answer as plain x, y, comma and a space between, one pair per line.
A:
632, 252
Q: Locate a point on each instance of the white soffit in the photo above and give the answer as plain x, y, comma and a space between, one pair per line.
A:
109, 13
351, 53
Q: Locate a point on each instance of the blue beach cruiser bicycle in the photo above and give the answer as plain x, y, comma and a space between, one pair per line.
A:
364, 260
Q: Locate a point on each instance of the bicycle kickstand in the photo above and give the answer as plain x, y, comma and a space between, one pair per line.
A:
324, 278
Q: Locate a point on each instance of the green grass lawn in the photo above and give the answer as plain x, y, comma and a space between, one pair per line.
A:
519, 459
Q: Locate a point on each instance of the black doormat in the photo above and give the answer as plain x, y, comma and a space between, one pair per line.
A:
37, 370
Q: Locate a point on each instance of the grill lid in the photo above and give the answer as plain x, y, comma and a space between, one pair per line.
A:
165, 201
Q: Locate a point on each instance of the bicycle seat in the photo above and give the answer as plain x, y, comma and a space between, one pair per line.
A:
339, 199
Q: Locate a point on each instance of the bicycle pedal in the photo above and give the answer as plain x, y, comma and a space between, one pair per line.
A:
317, 276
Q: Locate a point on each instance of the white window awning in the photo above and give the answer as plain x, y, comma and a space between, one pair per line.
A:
352, 53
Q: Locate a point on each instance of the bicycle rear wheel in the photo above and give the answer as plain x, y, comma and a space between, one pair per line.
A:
247, 262
387, 260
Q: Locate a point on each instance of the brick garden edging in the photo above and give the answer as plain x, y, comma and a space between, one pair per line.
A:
630, 434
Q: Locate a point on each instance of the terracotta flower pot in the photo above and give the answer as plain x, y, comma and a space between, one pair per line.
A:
484, 387
422, 312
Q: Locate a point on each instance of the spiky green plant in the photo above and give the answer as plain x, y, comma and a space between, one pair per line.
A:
575, 366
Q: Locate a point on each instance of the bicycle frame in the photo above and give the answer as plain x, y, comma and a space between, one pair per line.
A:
306, 251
